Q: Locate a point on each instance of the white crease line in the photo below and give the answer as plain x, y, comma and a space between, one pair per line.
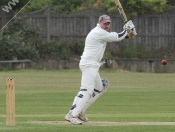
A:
15, 16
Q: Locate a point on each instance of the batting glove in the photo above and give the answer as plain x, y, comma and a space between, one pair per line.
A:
130, 28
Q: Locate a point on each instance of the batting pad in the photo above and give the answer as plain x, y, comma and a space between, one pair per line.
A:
74, 104
81, 101
96, 94
92, 99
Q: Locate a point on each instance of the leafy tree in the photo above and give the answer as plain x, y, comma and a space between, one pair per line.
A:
134, 7
66, 5
171, 2
18, 5
61, 5
35, 5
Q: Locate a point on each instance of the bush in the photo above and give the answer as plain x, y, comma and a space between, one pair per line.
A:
18, 41
139, 51
60, 51
78, 48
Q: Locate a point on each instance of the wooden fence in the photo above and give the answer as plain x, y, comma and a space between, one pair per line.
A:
154, 31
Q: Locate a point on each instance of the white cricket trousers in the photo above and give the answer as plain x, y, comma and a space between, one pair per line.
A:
90, 80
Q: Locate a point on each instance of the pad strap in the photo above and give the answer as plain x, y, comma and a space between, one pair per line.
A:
94, 90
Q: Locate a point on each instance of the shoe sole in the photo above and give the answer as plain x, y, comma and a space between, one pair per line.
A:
67, 120
76, 124
73, 123
83, 120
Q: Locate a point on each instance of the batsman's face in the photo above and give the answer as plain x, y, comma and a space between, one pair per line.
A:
105, 26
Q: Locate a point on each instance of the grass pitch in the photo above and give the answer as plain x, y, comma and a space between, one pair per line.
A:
134, 102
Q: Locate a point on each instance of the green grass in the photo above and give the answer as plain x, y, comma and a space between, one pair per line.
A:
131, 97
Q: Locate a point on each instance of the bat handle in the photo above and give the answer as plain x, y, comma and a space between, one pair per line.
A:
125, 21
131, 35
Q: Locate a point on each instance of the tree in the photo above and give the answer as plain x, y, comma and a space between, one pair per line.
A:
18, 6
35, 5
134, 7
61, 5
171, 2
66, 5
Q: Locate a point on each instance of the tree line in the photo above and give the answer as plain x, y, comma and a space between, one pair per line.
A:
132, 7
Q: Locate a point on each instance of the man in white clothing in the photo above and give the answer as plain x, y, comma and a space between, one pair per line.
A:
92, 86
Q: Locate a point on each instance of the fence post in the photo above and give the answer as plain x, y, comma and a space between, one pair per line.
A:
92, 17
4, 18
48, 22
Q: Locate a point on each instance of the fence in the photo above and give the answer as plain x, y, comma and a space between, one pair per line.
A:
154, 31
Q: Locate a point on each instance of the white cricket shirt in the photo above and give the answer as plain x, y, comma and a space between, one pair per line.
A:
95, 45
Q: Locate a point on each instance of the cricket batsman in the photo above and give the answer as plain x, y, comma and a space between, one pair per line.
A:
92, 86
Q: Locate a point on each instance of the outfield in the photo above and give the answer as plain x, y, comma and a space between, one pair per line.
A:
134, 102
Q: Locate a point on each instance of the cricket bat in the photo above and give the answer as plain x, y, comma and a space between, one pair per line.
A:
122, 14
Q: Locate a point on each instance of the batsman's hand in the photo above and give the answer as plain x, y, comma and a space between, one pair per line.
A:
130, 28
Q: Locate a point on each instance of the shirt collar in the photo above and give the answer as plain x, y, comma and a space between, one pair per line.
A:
98, 25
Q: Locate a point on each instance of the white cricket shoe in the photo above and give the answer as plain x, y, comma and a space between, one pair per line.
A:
83, 117
67, 117
73, 120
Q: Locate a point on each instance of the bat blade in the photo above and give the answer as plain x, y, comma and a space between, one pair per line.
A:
122, 14
121, 11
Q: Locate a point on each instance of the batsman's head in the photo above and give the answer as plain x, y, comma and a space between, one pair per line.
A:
104, 22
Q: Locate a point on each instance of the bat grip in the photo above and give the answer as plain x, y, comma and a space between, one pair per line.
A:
131, 35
